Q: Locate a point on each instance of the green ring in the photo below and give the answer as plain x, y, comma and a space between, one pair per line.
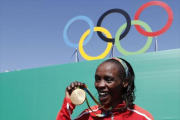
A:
144, 49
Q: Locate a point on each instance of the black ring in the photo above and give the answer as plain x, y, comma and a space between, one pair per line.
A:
128, 20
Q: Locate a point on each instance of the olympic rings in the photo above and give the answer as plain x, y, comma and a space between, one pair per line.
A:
108, 48
148, 43
128, 19
91, 25
85, 38
168, 24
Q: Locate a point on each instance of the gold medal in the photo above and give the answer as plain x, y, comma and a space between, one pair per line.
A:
78, 96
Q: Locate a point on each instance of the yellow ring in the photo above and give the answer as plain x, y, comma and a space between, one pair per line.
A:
108, 48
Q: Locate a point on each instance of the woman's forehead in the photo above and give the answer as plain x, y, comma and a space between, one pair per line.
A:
108, 66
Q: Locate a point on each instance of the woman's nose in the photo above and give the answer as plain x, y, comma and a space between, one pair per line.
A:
101, 84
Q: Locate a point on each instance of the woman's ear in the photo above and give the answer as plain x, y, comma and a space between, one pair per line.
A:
126, 82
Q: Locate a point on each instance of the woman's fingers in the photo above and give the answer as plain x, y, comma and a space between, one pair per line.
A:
73, 86
82, 85
76, 83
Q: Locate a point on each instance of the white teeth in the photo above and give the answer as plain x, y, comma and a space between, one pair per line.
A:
102, 93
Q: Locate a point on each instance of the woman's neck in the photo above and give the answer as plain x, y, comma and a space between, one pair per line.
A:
116, 103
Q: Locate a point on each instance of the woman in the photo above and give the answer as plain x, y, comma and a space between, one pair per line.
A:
114, 81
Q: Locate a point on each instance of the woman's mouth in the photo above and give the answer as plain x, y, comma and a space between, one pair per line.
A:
103, 96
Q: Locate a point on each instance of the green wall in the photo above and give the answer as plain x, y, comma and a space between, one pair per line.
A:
37, 94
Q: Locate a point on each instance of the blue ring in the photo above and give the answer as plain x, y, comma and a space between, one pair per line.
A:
91, 25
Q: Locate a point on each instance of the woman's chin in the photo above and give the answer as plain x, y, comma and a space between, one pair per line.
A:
105, 101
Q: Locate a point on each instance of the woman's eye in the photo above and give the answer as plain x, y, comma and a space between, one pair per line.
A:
108, 79
97, 79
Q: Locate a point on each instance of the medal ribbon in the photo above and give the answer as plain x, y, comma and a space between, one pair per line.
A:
108, 110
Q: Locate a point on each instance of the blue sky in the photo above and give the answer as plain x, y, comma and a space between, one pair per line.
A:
31, 31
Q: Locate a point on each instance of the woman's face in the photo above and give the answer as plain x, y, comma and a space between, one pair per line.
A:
108, 84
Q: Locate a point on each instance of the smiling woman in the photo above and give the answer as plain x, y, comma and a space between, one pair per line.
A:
114, 81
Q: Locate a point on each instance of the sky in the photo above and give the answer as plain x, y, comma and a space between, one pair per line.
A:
31, 31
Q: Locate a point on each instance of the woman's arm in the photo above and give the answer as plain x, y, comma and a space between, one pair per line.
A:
66, 110
68, 106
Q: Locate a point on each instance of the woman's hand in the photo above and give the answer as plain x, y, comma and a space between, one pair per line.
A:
72, 87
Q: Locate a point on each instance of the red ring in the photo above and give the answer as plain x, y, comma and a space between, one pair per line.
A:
166, 27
